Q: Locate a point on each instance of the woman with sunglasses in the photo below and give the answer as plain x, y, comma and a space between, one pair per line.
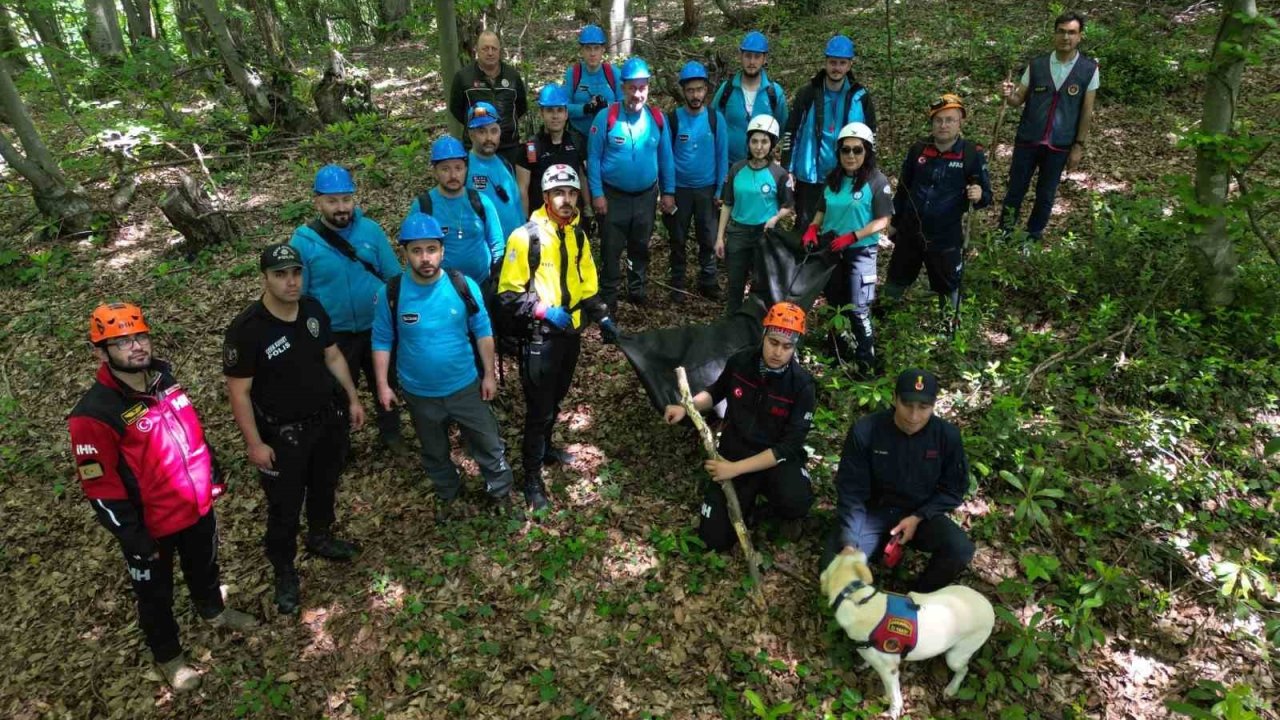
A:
757, 194
855, 208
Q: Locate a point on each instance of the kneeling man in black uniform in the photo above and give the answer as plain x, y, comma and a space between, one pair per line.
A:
901, 472
770, 401
283, 368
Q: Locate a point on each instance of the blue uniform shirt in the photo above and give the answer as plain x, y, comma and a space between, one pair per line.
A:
471, 243
591, 84
494, 178
811, 164
434, 358
756, 195
845, 211
632, 156
737, 115
345, 287
693, 147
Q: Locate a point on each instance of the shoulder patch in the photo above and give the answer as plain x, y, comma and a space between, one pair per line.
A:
131, 415
90, 471
313, 327
230, 356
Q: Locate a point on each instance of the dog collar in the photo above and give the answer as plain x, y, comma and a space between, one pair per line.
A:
852, 587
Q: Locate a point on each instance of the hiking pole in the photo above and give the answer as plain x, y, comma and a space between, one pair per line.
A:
966, 233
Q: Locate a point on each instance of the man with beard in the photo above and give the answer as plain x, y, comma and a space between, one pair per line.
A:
555, 300
151, 479
831, 100
1057, 90
700, 150
466, 216
431, 326
346, 258
628, 162
490, 173
749, 93
491, 81
283, 370
558, 143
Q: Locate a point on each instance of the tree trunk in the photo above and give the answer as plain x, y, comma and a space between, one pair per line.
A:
157, 13
267, 20
341, 95
102, 32
621, 32
1212, 247
137, 15
738, 18
690, 24
43, 23
193, 213
63, 202
447, 28
267, 105
10, 46
391, 16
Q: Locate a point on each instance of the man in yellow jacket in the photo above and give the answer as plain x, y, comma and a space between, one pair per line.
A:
549, 310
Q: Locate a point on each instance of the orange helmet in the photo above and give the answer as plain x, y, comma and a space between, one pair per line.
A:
785, 316
112, 320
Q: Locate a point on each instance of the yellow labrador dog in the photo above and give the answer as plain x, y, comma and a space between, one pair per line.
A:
955, 620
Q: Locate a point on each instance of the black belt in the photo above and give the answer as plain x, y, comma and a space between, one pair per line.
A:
277, 422
614, 190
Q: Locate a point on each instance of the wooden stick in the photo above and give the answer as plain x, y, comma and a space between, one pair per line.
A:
730, 494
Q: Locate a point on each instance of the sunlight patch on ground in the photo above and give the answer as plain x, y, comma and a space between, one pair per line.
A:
129, 245
315, 620
578, 419
393, 82
628, 559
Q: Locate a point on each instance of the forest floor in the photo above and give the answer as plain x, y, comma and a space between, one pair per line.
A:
605, 608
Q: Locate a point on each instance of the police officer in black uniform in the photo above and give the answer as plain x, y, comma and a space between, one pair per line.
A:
901, 472
283, 370
557, 143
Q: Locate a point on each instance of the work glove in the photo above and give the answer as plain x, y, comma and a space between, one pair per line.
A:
596, 105
556, 315
810, 238
842, 241
608, 331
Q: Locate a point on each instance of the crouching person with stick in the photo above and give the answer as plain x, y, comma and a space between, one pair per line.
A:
770, 408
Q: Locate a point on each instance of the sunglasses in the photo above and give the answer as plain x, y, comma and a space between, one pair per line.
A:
854, 150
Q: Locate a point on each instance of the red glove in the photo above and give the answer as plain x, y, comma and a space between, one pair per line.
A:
843, 241
810, 238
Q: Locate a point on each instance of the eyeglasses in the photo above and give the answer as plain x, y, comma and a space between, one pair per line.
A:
854, 150
945, 120
129, 340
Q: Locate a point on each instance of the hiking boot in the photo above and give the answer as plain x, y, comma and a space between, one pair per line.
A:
557, 456
331, 548
393, 443
791, 529
638, 299
506, 508
180, 676
535, 494
445, 510
677, 295
287, 592
234, 620
710, 292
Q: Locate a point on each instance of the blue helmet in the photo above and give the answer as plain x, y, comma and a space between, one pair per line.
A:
420, 226
754, 41
591, 35
553, 96
635, 69
840, 46
334, 180
447, 147
693, 70
481, 114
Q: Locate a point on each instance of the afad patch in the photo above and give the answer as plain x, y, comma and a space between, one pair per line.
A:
131, 415
90, 471
897, 633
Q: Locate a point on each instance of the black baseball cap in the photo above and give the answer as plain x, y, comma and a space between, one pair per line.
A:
279, 256
916, 385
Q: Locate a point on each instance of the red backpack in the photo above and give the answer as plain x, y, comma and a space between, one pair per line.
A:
612, 118
576, 76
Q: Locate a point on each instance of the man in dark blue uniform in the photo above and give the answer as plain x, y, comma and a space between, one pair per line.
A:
902, 470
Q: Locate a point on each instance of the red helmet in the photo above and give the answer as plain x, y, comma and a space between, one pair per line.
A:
785, 316
113, 320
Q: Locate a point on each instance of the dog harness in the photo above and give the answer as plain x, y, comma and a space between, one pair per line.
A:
897, 631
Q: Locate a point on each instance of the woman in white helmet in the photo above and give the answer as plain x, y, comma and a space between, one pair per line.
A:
855, 208
757, 194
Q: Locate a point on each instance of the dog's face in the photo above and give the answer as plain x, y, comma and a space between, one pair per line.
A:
849, 565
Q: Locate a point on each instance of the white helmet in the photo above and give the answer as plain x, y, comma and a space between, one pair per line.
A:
765, 124
560, 175
857, 130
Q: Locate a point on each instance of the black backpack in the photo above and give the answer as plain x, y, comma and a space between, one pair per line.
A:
770, 90
674, 119
460, 286
513, 331
473, 196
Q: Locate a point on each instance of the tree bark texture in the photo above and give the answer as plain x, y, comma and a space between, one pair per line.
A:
267, 21
193, 213
1212, 247
450, 61
59, 200
690, 25
43, 23
621, 31
102, 33
341, 95
10, 46
267, 105
137, 15
391, 16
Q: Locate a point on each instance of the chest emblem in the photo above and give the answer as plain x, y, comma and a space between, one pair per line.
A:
765, 188
931, 454
1073, 89
131, 415
409, 318
506, 82
480, 182
144, 424
857, 195
737, 392
278, 347
313, 327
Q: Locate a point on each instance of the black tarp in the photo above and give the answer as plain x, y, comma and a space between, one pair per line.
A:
789, 273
